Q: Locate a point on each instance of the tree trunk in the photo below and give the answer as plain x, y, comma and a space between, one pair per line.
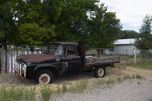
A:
5, 50
4, 57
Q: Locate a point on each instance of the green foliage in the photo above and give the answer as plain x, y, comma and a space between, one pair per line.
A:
7, 23
146, 27
33, 34
33, 24
145, 40
39, 22
104, 28
126, 34
73, 22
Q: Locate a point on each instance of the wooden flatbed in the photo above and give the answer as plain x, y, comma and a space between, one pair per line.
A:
101, 61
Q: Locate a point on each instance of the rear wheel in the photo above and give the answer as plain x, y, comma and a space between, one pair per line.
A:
99, 72
45, 77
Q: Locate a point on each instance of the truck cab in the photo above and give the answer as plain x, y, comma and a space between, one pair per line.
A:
59, 58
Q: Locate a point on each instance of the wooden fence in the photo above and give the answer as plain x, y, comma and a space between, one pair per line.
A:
11, 55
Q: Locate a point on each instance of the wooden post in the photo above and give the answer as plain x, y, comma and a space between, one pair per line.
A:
2, 60
135, 56
126, 57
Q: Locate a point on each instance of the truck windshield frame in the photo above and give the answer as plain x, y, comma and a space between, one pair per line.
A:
56, 49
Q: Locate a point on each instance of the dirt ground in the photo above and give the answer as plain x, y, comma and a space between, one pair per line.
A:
129, 90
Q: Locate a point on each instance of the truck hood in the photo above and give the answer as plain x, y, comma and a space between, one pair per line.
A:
35, 58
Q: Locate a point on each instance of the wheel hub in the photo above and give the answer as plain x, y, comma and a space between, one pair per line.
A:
44, 79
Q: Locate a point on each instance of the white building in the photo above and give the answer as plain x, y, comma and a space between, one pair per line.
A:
125, 46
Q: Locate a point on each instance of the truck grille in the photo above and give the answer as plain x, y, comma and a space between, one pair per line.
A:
20, 69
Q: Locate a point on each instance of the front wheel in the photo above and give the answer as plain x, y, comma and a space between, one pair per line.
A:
44, 77
99, 72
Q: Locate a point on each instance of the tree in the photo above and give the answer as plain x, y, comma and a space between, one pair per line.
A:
104, 27
126, 34
7, 23
145, 40
41, 21
73, 22
34, 22
7, 27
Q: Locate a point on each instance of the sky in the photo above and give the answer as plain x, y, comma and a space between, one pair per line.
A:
130, 12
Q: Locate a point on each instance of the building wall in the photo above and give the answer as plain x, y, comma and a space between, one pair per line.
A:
125, 49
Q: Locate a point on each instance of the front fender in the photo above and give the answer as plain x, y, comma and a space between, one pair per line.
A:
44, 65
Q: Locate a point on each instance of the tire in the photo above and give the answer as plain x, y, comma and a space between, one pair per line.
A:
44, 77
99, 72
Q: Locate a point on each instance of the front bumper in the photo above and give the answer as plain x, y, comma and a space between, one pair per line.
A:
20, 70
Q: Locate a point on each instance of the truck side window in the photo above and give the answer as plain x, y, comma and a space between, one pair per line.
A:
71, 50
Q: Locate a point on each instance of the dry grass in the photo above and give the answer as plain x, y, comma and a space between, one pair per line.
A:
17, 92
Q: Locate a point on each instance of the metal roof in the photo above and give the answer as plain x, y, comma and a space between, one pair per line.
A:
125, 41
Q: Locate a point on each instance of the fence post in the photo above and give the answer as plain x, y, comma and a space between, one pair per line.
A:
135, 56
2, 60
126, 57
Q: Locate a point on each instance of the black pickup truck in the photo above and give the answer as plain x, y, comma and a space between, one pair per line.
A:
59, 59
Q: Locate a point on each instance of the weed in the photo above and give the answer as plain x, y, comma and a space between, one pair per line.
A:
138, 82
80, 87
46, 93
99, 82
64, 88
110, 81
29, 95
139, 77
127, 77
119, 80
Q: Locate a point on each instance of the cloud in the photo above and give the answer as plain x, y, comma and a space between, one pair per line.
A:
130, 12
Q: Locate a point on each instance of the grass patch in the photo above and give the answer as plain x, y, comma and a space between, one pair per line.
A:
11, 94
17, 94
107, 82
64, 88
144, 66
137, 76
79, 87
46, 92
110, 81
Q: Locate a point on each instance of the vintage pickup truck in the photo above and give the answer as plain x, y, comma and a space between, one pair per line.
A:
59, 59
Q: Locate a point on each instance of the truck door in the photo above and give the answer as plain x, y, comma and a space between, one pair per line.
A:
73, 59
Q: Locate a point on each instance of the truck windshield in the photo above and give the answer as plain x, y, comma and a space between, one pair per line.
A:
55, 49
59, 50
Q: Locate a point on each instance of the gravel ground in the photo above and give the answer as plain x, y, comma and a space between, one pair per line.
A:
130, 90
